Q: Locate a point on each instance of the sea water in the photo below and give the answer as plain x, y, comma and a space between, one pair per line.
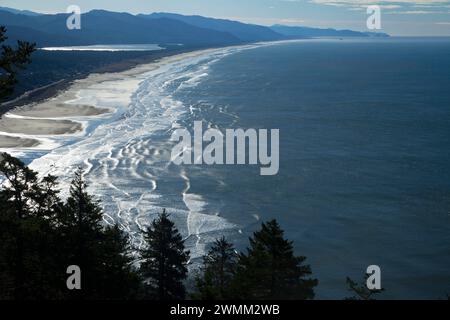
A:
364, 172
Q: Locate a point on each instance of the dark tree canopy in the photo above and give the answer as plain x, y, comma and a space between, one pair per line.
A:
27, 208
270, 270
164, 265
40, 236
217, 273
11, 61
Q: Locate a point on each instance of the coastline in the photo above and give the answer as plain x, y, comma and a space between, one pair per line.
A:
59, 110
53, 109
44, 92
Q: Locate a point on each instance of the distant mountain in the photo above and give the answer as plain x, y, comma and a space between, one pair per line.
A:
243, 31
16, 11
104, 27
294, 32
43, 39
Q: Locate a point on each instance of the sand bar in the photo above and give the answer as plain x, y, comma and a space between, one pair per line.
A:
16, 142
38, 126
58, 110
114, 88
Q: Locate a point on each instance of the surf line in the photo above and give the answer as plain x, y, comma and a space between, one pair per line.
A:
235, 146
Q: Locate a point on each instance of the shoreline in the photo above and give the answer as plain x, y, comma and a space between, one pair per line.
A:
59, 110
26, 122
43, 93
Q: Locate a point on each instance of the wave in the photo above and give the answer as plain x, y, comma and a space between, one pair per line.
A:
127, 158
126, 155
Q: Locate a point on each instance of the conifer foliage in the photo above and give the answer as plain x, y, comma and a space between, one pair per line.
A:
11, 61
218, 270
41, 235
164, 265
270, 270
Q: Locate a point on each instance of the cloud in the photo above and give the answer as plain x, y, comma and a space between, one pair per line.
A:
380, 2
417, 12
403, 6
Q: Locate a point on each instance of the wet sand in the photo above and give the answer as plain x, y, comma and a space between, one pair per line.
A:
59, 110
55, 115
38, 126
16, 142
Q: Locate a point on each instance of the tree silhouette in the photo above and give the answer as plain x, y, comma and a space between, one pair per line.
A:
218, 270
101, 253
164, 260
270, 270
40, 236
27, 206
11, 61
117, 278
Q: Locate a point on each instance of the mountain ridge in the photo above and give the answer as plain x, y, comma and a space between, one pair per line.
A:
244, 31
108, 27
17, 11
301, 31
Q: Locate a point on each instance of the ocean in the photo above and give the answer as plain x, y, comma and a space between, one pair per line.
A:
364, 174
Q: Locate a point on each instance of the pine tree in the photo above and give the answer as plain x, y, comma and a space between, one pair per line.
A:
81, 232
83, 211
102, 253
40, 237
270, 270
11, 60
117, 278
164, 260
27, 235
218, 270
20, 184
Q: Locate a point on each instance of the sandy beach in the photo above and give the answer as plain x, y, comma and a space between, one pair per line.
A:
59, 110
61, 114
39, 126
16, 142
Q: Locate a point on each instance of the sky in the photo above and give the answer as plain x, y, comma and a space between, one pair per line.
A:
399, 17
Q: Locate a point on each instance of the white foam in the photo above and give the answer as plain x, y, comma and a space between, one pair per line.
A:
126, 159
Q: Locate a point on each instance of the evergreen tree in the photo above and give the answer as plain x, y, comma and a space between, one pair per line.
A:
117, 278
11, 233
219, 267
102, 254
270, 270
83, 212
164, 260
81, 232
12, 60
27, 237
